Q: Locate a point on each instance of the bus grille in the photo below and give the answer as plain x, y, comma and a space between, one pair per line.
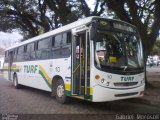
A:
126, 94
122, 84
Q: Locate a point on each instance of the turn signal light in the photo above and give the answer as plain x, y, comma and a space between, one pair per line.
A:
97, 77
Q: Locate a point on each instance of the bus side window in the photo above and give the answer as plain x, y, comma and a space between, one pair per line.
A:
56, 46
69, 38
6, 56
53, 41
20, 53
61, 45
14, 55
58, 40
30, 51
66, 46
43, 49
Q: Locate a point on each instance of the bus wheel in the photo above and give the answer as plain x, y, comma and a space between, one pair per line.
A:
60, 91
15, 82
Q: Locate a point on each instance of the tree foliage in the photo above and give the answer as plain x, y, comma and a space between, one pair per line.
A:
33, 17
156, 48
144, 14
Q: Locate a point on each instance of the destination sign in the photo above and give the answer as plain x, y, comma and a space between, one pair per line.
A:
122, 26
107, 24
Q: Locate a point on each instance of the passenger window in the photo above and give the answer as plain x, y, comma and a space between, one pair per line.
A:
14, 55
43, 44
64, 39
6, 56
20, 50
30, 47
61, 46
57, 40
69, 38
43, 51
30, 51
20, 53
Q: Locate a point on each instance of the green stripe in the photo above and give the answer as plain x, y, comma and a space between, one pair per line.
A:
89, 98
68, 93
49, 85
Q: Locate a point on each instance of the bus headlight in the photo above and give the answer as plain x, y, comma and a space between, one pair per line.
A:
102, 80
104, 83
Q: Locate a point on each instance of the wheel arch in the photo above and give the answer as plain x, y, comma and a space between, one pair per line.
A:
54, 80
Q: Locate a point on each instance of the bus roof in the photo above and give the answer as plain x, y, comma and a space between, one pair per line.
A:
58, 30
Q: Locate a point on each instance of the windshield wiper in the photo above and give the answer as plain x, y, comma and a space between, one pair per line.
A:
124, 67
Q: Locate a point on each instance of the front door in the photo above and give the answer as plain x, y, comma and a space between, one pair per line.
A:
80, 53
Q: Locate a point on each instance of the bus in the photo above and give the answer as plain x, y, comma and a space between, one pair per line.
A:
94, 59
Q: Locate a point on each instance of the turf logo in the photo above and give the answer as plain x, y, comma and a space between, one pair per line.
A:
30, 68
128, 78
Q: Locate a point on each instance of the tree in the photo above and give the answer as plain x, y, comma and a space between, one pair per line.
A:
34, 17
26, 15
144, 14
156, 48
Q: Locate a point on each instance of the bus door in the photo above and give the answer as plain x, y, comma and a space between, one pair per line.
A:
10, 61
80, 64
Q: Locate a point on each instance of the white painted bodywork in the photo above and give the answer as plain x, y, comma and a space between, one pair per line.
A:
99, 92
108, 92
35, 80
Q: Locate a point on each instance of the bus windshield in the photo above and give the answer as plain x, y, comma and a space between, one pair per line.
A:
118, 50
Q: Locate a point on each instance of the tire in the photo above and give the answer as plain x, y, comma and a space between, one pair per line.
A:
60, 92
15, 82
53, 89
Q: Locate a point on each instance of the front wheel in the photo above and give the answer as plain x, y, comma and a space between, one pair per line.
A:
60, 92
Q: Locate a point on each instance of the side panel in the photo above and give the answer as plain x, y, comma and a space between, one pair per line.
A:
39, 74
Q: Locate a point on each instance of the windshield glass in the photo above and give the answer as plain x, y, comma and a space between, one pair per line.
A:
118, 50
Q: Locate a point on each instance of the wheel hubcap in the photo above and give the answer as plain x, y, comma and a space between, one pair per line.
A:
60, 91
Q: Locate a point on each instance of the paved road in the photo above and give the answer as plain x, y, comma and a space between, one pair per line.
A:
153, 73
153, 69
33, 101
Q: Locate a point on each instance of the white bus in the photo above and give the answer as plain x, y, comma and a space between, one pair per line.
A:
94, 59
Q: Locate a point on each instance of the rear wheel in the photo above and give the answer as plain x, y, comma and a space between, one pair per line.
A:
60, 92
15, 82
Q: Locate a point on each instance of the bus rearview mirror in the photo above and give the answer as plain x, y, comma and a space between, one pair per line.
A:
93, 33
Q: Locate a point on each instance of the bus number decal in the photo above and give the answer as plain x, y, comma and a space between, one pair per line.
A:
57, 69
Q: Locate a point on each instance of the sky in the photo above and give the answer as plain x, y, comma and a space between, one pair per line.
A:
9, 39
90, 3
